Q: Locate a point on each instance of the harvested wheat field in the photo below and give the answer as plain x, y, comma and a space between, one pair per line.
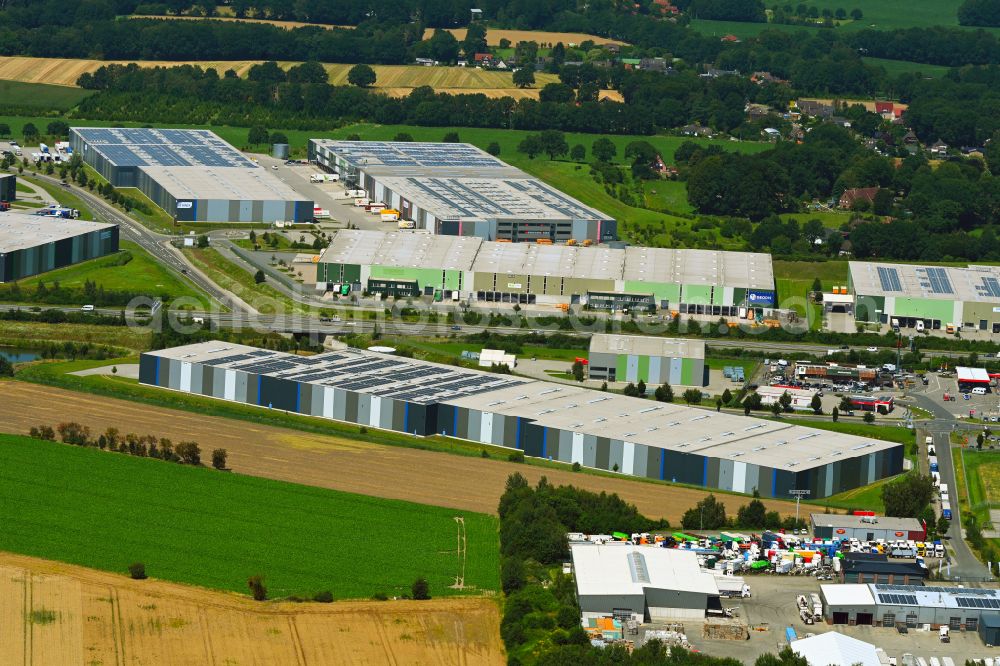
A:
288, 25
57, 614
395, 80
429, 477
494, 35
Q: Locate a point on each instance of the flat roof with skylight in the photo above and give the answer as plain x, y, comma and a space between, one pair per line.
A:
973, 283
645, 345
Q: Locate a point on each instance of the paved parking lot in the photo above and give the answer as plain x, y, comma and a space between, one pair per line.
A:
773, 603
984, 405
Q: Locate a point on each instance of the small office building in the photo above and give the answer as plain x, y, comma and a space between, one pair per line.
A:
866, 528
641, 583
801, 398
655, 361
33, 244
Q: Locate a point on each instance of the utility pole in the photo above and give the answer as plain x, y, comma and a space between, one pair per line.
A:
798, 494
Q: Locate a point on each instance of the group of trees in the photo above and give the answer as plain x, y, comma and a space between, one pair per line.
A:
979, 12
144, 446
710, 514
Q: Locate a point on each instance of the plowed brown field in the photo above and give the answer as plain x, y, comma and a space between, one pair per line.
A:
429, 477
58, 614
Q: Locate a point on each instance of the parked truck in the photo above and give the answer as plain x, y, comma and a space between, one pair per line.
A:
946, 510
944, 634
733, 586
817, 607
933, 461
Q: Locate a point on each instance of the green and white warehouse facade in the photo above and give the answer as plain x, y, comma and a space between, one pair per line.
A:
33, 244
935, 296
569, 423
652, 360
410, 264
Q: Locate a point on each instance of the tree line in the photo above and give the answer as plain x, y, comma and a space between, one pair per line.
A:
143, 446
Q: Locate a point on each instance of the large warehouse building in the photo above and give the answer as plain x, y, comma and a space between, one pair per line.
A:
457, 189
33, 244
562, 422
630, 358
930, 297
909, 605
636, 278
866, 528
641, 583
191, 174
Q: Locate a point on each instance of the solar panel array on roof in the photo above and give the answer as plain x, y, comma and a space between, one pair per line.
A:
901, 599
889, 277
133, 147
939, 282
991, 286
977, 602
405, 154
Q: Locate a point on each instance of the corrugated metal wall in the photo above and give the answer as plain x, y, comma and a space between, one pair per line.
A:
516, 432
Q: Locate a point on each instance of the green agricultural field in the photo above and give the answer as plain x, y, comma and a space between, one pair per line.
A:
877, 14
214, 529
41, 96
831, 219
140, 275
897, 67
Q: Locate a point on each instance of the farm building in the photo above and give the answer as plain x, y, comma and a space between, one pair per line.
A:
191, 174
866, 528
456, 189
562, 422
923, 296
631, 358
688, 281
643, 584
33, 244
8, 187
910, 605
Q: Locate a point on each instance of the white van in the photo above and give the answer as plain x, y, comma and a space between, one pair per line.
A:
979, 390
87, 308
920, 325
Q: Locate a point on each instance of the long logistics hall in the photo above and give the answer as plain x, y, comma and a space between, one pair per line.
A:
33, 244
706, 282
193, 175
926, 297
456, 189
561, 422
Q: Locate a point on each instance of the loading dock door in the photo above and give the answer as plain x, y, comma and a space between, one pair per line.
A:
864, 618
840, 618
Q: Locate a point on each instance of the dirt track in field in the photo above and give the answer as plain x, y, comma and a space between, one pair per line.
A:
58, 614
429, 477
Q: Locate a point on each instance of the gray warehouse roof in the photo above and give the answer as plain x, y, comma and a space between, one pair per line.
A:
641, 345
747, 270
739, 269
198, 182
975, 283
188, 163
19, 231
882, 522
457, 181
411, 250
620, 570
669, 426
137, 146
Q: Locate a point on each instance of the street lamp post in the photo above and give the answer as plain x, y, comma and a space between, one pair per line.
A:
798, 494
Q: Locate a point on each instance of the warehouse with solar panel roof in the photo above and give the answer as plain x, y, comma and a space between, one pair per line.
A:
928, 298
456, 189
193, 175
570, 424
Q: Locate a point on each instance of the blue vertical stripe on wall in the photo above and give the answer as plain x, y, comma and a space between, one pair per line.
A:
704, 472
194, 209
517, 435
156, 377
454, 424
663, 464
406, 417
298, 396
260, 382
774, 482
545, 442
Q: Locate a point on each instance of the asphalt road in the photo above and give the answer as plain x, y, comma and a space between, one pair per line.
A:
965, 564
